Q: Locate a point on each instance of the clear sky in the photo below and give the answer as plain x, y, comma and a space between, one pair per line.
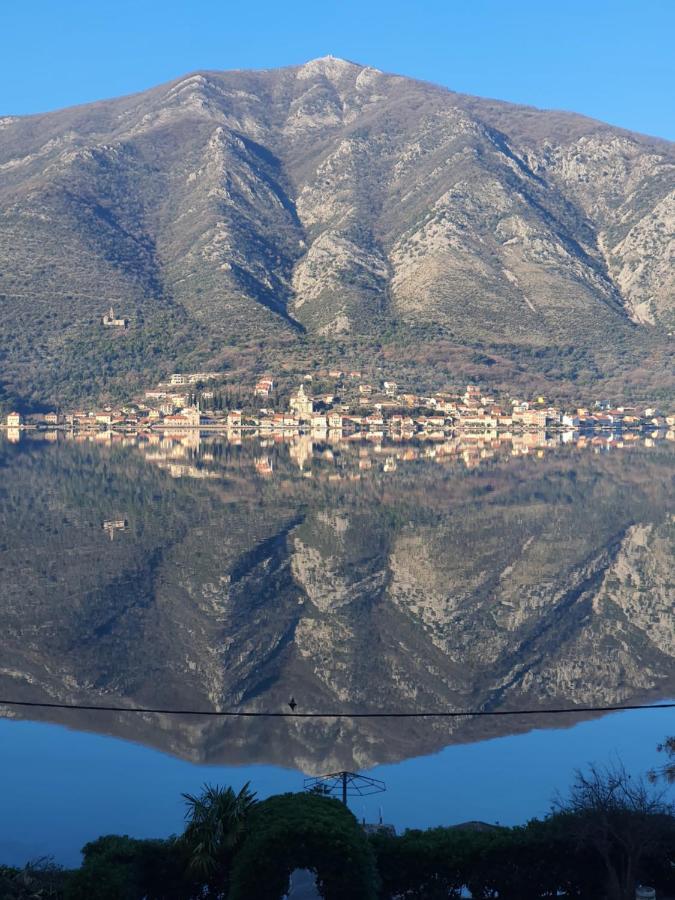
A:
611, 59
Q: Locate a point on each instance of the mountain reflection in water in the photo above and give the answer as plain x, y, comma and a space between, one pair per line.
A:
212, 574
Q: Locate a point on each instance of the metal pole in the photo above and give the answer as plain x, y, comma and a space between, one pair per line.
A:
344, 788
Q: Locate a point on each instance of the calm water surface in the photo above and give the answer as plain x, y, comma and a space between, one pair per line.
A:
210, 574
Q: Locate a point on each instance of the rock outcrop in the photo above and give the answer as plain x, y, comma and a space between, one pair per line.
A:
329, 199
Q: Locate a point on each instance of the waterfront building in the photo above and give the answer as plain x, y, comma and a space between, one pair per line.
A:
530, 418
302, 405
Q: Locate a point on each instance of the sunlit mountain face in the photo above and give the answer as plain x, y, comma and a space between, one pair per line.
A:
353, 576
331, 210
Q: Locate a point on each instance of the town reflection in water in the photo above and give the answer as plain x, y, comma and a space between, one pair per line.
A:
235, 572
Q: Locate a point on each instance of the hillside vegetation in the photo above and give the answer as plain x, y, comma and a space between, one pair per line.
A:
331, 212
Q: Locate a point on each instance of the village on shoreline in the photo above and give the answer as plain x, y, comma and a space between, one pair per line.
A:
340, 403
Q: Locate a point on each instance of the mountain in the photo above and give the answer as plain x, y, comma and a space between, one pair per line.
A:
241, 219
381, 594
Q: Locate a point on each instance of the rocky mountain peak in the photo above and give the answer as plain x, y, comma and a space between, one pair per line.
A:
331, 199
332, 67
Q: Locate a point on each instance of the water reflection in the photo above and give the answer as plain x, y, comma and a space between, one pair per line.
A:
191, 571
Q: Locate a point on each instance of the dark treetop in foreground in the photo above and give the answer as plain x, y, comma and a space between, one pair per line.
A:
612, 833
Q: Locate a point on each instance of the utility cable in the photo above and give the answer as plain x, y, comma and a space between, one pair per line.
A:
249, 714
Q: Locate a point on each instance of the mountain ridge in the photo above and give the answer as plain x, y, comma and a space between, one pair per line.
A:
322, 203
468, 98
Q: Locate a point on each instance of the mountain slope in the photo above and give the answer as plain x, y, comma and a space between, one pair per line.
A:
321, 202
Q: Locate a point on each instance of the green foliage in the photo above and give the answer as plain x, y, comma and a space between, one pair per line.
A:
528, 863
217, 824
622, 820
123, 868
235, 848
38, 880
421, 864
304, 831
539, 860
667, 770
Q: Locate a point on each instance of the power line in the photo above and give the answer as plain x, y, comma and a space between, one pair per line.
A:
247, 714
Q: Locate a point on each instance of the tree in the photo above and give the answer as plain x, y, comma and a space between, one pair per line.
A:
217, 821
38, 880
524, 863
321, 790
304, 831
622, 819
421, 865
666, 771
108, 871
118, 867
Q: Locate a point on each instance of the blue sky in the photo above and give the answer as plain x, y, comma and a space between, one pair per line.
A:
611, 59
